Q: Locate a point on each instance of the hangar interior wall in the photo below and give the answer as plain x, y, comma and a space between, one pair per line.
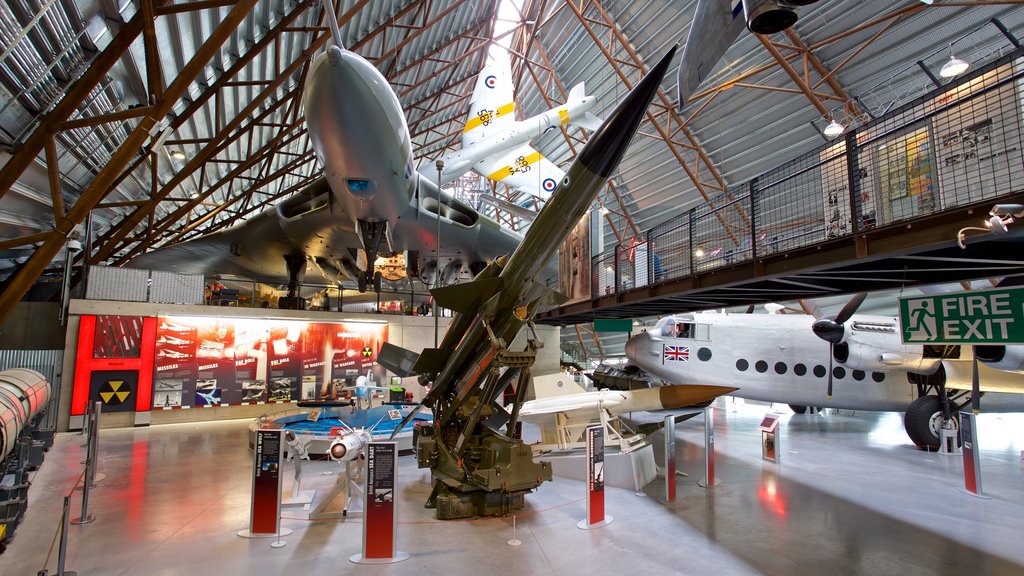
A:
146, 369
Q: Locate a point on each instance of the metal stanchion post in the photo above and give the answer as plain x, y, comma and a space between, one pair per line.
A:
95, 452
63, 549
87, 478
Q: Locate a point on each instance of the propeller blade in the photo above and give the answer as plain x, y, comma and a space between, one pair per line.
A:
811, 307
975, 388
850, 308
831, 356
750, 309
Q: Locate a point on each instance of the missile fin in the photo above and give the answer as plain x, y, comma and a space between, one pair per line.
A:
547, 298
466, 297
398, 360
432, 360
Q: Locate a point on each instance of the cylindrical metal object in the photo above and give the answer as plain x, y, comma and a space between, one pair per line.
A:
23, 394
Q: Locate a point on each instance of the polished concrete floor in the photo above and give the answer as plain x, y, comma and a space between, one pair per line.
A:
851, 496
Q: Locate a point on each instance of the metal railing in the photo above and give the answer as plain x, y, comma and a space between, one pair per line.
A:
958, 145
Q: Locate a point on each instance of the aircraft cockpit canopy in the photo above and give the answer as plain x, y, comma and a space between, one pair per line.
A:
683, 327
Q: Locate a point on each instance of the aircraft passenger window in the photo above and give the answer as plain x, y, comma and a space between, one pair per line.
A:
839, 372
858, 375
704, 354
878, 376
780, 368
761, 366
820, 371
742, 365
799, 369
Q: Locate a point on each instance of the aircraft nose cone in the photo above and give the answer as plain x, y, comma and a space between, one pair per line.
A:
828, 330
630, 347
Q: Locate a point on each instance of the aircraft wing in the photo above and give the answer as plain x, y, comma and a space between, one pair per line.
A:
524, 169
716, 25
307, 222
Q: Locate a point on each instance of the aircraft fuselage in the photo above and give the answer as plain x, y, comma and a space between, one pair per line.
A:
459, 161
777, 358
360, 136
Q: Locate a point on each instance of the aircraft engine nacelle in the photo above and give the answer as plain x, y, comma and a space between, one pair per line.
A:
1001, 357
871, 357
771, 16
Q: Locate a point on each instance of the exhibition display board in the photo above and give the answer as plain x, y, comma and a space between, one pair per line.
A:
133, 363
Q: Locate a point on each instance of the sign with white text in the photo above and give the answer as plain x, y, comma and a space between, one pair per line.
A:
979, 317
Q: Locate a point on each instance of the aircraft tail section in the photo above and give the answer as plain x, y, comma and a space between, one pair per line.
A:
492, 108
588, 120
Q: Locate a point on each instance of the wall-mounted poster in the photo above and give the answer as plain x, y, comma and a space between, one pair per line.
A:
574, 262
202, 361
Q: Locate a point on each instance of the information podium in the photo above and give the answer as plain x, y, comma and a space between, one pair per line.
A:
769, 427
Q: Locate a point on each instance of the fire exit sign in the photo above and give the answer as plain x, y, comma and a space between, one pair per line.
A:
978, 317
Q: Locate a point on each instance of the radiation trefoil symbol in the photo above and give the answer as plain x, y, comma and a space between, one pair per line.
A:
114, 392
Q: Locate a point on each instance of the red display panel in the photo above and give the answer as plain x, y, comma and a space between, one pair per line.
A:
107, 344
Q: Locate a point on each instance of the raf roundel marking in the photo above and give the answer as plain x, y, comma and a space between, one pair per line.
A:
549, 184
490, 81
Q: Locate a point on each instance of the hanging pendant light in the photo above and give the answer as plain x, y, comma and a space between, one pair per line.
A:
954, 67
833, 129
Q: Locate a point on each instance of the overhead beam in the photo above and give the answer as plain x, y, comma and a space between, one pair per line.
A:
23, 279
27, 152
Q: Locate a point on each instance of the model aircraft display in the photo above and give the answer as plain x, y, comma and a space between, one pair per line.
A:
497, 147
371, 202
716, 25
564, 410
850, 361
476, 468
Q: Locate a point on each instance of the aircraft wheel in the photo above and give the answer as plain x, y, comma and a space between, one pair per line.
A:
798, 409
361, 281
377, 279
923, 422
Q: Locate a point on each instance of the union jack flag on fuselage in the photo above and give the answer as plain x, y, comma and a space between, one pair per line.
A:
676, 353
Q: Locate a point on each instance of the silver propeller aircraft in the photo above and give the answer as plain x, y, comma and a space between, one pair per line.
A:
370, 204
849, 361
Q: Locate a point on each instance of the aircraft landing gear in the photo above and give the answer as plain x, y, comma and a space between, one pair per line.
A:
924, 420
797, 409
363, 281
296, 264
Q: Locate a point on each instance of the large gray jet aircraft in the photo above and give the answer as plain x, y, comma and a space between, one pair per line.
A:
716, 25
370, 203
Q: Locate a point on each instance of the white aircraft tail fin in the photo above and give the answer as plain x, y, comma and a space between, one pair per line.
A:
558, 384
492, 108
589, 121
577, 92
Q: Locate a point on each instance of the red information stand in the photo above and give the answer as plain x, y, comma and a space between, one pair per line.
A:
595, 481
769, 428
670, 459
972, 459
380, 518
709, 480
265, 510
